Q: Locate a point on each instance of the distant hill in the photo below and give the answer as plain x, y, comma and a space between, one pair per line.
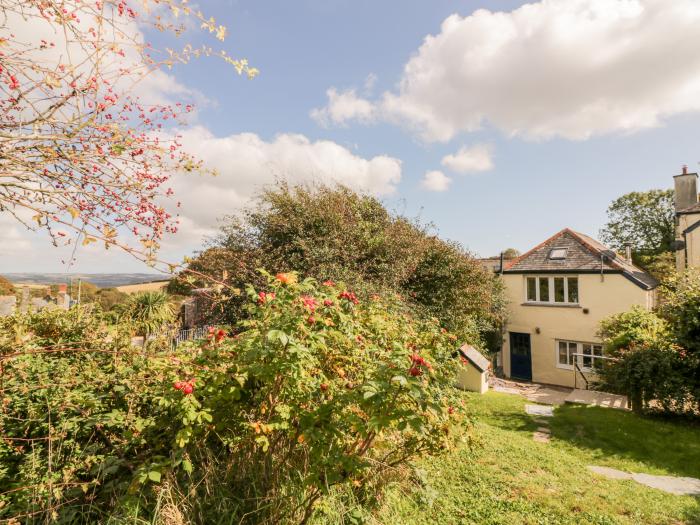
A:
103, 280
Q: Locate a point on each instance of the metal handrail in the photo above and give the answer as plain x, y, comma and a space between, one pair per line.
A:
580, 370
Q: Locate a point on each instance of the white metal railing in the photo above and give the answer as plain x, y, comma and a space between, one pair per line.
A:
178, 336
192, 334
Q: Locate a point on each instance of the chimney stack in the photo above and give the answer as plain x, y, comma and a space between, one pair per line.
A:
686, 188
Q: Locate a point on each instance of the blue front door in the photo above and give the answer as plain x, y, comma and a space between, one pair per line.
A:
520, 356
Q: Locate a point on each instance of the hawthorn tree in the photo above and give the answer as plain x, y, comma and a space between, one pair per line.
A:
82, 155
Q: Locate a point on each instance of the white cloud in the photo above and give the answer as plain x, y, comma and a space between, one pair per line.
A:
343, 107
469, 160
245, 163
554, 68
435, 181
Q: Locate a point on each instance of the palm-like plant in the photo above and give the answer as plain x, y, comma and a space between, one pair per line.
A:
149, 311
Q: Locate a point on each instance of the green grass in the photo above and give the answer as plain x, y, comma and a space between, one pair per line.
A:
510, 479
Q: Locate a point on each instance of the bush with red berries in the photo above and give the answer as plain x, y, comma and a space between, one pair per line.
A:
315, 389
318, 389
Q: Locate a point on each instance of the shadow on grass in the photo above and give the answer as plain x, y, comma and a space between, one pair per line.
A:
504, 411
670, 446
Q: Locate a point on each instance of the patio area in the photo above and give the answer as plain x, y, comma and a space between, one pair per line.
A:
557, 395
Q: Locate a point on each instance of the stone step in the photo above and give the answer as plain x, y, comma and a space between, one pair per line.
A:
601, 399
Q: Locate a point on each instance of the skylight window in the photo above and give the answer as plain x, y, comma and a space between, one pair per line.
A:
557, 254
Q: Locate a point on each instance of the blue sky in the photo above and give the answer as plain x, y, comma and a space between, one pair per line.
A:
548, 171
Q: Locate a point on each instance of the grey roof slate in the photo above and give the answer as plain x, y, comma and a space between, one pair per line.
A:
583, 254
472, 355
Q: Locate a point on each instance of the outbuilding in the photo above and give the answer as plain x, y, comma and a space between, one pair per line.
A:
473, 375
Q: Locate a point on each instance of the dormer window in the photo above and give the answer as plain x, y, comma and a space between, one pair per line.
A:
557, 254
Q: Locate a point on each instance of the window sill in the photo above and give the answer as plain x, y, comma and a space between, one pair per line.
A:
554, 305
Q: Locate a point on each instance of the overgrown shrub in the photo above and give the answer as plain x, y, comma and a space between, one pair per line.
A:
649, 365
317, 390
336, 233
50, 327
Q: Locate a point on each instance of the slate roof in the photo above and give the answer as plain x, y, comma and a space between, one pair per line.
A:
472, 355
583, 255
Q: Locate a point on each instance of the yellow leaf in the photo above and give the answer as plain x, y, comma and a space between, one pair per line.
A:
73, 212
87, 240
108, 231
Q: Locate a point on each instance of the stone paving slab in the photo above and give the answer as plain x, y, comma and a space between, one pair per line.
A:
601, 399
680, 486
539, 410
541, 437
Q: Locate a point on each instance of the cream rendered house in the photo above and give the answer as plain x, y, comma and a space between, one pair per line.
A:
687, 220
558, 293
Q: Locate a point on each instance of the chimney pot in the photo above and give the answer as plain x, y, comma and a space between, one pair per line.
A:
686, 189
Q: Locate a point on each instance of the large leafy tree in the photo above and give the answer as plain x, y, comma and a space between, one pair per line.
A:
643, 219
335, 233
82, 156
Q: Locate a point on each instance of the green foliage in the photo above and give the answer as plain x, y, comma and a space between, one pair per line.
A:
681, 306
148, 312
318, 390
49, 327
335, 233
650, 366
6, 287
450, 287
637, 327
662, 266
646, 220
107, 298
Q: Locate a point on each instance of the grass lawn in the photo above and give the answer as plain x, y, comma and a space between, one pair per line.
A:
510, 479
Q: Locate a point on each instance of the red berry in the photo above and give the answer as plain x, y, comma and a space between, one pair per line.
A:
324, 387
187, 389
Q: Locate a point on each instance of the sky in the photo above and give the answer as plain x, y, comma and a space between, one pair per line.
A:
498, 122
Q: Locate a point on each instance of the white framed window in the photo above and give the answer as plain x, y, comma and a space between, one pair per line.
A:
551, 289
565, 357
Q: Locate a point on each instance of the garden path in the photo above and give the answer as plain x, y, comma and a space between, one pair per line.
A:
679, 486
